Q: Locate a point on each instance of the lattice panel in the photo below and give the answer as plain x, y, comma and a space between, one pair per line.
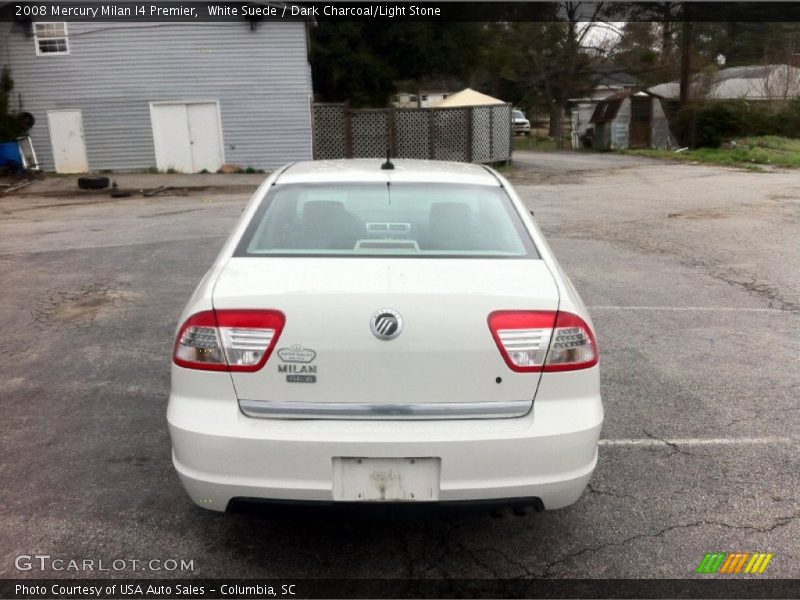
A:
412, 128
501, 133
481, 134
329, 131
370, 131
434, 133
450, 134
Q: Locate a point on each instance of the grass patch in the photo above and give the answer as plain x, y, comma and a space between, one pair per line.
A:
505, 169
749, 153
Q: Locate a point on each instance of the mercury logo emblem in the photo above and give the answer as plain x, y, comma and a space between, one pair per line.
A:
386, 324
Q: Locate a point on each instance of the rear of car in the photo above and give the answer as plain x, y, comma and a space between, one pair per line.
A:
375, 334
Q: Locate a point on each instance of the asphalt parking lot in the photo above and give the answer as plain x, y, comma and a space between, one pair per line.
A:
691, 276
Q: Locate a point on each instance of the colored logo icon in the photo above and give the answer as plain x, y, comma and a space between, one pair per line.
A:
734, 563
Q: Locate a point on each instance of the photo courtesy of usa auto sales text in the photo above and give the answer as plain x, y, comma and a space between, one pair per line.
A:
101, 591
134, 589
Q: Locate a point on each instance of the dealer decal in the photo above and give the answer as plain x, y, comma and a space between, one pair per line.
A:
298, 368
297, 354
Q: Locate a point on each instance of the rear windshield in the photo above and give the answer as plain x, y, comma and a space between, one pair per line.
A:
386, 220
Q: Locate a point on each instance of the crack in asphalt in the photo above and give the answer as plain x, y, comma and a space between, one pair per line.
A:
736, 421
508, 560
615, 234
478, 557
675, 448
770, 293
780, 522
449, 545
434, 557
593, 490
427, 560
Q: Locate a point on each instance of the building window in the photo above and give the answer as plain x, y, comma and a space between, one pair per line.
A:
50, 38
424, 97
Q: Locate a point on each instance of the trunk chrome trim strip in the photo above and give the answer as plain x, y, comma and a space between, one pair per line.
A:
272, 409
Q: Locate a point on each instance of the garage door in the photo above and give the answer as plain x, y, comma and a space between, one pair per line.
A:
187, 136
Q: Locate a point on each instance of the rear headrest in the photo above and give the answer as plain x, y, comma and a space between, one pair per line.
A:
318, 210
449, 216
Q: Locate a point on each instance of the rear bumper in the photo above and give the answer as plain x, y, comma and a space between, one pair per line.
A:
221, 454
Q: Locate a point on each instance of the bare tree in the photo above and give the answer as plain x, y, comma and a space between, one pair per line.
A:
554, 57
781, 81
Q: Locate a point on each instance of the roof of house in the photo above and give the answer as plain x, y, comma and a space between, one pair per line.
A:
468, 97
754, 82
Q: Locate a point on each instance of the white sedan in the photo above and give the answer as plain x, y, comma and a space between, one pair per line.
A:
385, 332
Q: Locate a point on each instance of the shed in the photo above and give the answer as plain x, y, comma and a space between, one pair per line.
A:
628, 120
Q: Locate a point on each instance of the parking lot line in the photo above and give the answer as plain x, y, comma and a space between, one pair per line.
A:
697, 441
695, 308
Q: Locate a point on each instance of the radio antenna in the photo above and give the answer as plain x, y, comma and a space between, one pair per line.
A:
388, 164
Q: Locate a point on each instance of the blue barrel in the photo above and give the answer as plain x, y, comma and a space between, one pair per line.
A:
10, 158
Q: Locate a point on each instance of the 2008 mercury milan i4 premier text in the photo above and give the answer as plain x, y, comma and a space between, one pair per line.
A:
385, 332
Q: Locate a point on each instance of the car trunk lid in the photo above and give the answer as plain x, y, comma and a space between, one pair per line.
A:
328, 354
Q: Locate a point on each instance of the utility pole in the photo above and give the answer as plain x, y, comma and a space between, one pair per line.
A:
688, 135
686, 55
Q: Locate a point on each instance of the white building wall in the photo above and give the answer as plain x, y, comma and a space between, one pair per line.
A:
113, 71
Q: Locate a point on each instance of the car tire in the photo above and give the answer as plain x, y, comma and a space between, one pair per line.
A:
93, 182
27, 121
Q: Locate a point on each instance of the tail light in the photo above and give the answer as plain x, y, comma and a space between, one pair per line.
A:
228, 340
532, 341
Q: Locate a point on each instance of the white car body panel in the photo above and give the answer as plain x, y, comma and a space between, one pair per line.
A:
435, 297
445, 354
221, 454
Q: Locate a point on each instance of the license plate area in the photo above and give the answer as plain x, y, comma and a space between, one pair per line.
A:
359, 479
